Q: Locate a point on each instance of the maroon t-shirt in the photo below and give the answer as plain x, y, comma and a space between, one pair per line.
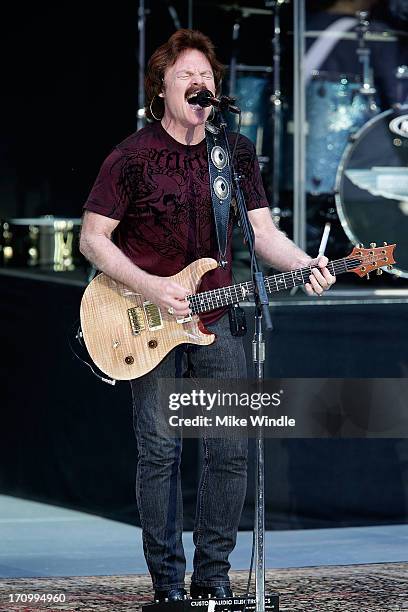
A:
159, 190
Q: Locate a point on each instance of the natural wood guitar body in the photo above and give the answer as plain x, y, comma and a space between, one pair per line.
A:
107, 308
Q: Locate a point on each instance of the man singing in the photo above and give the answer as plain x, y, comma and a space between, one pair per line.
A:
149, 215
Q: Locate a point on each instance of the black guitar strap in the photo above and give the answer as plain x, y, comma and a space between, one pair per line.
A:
220, 186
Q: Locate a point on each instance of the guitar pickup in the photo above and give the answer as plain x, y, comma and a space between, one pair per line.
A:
153, 316
136, 318
185, 319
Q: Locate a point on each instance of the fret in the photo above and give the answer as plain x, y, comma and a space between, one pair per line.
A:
244, 290
296, 278
280, 282
223, 296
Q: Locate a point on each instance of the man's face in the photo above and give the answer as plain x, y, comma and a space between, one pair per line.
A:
191, 73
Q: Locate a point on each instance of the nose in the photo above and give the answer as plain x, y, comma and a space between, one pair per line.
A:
197, 79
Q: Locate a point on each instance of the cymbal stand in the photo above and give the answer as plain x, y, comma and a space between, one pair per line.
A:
276, 100
364, 55
401, 75
232, 84
141, 26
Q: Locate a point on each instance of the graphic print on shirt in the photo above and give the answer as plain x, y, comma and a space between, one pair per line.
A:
169, 206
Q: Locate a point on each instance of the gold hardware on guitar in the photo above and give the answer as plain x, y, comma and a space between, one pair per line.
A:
136, 320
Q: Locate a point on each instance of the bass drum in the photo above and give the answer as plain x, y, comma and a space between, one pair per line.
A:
372, 185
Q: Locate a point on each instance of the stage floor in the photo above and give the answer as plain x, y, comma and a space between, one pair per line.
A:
40, 540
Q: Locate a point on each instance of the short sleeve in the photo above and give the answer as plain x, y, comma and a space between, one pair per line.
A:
248, 168
108, 197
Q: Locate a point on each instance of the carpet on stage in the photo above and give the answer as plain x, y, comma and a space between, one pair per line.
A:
352, 588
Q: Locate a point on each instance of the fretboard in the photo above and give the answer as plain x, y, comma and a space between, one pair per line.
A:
224, 296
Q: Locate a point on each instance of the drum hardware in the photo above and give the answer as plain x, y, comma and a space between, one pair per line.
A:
276, 100
364, 55
251, 90
6, 244
245, 11
46, 242
369, 36
401, 74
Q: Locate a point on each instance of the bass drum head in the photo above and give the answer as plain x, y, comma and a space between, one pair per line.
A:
372, 185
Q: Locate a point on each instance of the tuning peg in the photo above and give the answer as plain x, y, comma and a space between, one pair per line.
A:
389, 267
373, 245
379, 272
368, 276
385, 243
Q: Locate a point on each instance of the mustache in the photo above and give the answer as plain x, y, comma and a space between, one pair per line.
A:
195, 89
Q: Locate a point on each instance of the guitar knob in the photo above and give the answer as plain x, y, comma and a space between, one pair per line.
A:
389, 267
385, 243
373, 245
360, 245
379, 272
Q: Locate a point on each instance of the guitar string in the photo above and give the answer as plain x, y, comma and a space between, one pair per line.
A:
209, 300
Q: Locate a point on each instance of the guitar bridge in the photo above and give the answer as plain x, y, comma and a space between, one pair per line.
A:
136, 319
153, 316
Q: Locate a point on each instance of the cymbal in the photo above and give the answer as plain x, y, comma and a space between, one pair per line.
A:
246, 11
385, 36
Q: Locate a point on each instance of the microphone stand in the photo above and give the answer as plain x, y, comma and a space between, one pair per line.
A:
258, 355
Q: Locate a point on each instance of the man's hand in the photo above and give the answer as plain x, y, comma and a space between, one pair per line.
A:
166, 293
320, 278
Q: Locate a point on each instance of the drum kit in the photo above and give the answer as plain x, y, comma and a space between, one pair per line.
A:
356, 171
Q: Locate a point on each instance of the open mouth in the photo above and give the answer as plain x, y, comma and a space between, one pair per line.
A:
189, 96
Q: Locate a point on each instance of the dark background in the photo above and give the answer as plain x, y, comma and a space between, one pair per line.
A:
69, 82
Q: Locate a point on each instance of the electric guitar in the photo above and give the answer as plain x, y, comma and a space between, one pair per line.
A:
127, 336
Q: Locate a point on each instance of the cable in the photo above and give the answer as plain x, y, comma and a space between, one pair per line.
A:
236, 140
79, 336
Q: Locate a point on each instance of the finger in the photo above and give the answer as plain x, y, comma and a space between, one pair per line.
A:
320, 278
309, 289
180, 307
177, 291
322, 261
316, 286
330, 278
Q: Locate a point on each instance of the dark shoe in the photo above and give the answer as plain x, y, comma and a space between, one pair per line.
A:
222, 592
175, 594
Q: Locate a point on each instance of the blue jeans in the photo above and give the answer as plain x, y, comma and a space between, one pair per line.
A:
222, 486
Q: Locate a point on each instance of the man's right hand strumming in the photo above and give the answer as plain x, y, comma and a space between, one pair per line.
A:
167, 294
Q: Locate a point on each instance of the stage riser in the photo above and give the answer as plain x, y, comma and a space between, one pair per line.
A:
68, 438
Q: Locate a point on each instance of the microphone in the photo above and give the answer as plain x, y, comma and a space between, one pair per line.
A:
205, 98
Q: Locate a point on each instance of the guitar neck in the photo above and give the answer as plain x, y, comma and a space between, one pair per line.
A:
225, 296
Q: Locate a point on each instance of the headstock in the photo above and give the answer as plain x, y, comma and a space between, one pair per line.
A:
374, 258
